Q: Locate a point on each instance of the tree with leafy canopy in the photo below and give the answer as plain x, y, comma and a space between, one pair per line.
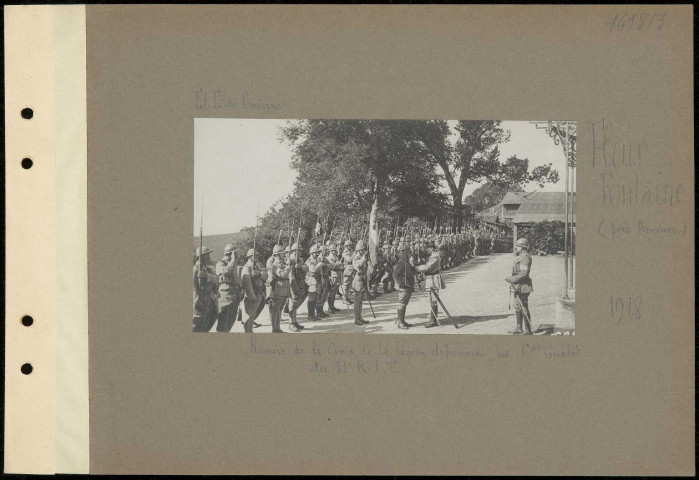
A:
475, 157
350, 166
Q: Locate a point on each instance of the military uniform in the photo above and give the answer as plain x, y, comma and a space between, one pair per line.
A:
389, 262
433, 282
228, 289
359, 264
521, 285
314, 282
298, 290
253, 291
205, 302
404, 276
324, 283
278, 288
335, 267
347, 272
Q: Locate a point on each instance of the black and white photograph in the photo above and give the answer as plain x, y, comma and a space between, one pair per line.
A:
384, 226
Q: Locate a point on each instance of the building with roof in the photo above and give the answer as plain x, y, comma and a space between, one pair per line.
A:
521, 208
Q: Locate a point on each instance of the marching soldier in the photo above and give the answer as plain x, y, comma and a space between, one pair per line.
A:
204, 298
521, 285
348, 271
404, 275
278, 287
228, 289
297, 287
314, 282
254, 292
334, 264
433, 279
359, 264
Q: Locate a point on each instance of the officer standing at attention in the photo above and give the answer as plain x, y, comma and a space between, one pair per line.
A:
521, 284
249, 280
404, 276
297, 287
278, 287
228, 289
359, 264
205, 301
433, 278
335, 266
348, 271
314, 282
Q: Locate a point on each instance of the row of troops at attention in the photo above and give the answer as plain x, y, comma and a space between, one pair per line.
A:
226, 290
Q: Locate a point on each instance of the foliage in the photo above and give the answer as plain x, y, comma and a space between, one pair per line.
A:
548, 237
346, 168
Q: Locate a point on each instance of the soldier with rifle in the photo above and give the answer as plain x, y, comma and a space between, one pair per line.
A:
334, 265
278, 286
205, 284
228, 289
298, 290
348, 271
324, 282
359, 283
253, 289
314, 282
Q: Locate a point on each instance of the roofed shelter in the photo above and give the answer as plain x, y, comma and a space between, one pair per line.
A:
525, 208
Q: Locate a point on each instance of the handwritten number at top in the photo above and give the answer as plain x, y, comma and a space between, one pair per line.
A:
638, 22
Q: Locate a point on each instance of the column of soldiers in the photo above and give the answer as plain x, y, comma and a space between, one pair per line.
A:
224, 292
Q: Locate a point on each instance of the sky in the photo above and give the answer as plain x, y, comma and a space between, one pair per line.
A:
241, 167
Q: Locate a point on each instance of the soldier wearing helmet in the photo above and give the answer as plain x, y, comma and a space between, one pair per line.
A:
205, 302
433, 279
404, 276
297, 286
334, 265
228, 289
347, 272
278, 287
324, 281
389, 261
359, 265
314, 281
521, 285
254, 294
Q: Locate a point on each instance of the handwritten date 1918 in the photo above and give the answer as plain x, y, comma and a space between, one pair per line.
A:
628, 307
636, 22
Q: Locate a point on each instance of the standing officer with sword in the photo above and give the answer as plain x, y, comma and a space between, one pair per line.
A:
521, 285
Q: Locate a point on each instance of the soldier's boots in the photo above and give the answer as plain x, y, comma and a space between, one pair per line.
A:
331, 307
320, 313
433, 316
312, 311
525, 322
518, 329
297, 327
358, 313
276, 326
247, 326
401, 320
